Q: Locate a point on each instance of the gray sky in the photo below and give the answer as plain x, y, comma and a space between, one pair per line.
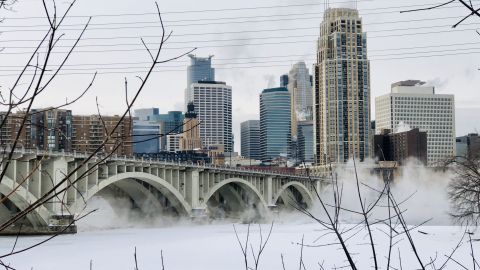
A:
252, 48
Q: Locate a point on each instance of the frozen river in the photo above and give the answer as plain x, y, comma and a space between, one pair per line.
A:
214, 247
188, 246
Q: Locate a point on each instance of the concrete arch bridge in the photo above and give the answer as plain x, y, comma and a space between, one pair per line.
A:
186, 189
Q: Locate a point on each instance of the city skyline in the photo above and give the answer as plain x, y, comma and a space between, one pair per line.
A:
450, 74
176, 133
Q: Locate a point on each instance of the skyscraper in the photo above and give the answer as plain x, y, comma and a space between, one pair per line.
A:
250, 139
301, 90
213, 104
275, 126
418, 106
200, 70
342, 89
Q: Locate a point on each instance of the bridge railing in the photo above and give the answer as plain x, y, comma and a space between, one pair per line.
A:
115, 157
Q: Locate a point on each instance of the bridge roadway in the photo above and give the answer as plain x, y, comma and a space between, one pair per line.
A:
187, 189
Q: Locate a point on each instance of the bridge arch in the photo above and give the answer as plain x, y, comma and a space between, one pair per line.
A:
19, 198
166, 189
243, 184
285, 192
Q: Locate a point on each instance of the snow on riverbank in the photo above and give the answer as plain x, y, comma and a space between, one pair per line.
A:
214, 247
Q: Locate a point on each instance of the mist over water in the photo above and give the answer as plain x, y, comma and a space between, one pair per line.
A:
421, 192
115, 213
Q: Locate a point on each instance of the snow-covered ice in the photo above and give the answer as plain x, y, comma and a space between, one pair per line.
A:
214, 247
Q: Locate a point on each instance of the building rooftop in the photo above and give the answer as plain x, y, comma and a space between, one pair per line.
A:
412, 87
211, 82
408, 83
340, 12
194, 57
277, 89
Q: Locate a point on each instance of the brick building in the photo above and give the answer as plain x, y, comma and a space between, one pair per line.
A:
400, 146
90, 131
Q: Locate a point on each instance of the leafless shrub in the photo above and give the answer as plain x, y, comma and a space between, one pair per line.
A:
464, 190
247, 247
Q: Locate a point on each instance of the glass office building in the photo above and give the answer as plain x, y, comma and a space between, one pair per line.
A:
145, 137
250, 139
275, 125
306, 150
169, 123
172, 122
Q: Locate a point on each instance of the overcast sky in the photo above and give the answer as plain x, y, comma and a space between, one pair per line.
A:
254, 42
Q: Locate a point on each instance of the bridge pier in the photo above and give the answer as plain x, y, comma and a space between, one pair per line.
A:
270, 196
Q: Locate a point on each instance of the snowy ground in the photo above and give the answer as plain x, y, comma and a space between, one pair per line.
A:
214, 247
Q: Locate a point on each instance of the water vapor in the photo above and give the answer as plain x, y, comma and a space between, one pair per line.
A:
420, 191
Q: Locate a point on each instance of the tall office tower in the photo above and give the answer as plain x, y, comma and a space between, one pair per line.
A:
342, 89
306, 151
200, 70
89, 132
300, 88
146, 136
191, 136
275, 126
213, 104
250, 139
412, 103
